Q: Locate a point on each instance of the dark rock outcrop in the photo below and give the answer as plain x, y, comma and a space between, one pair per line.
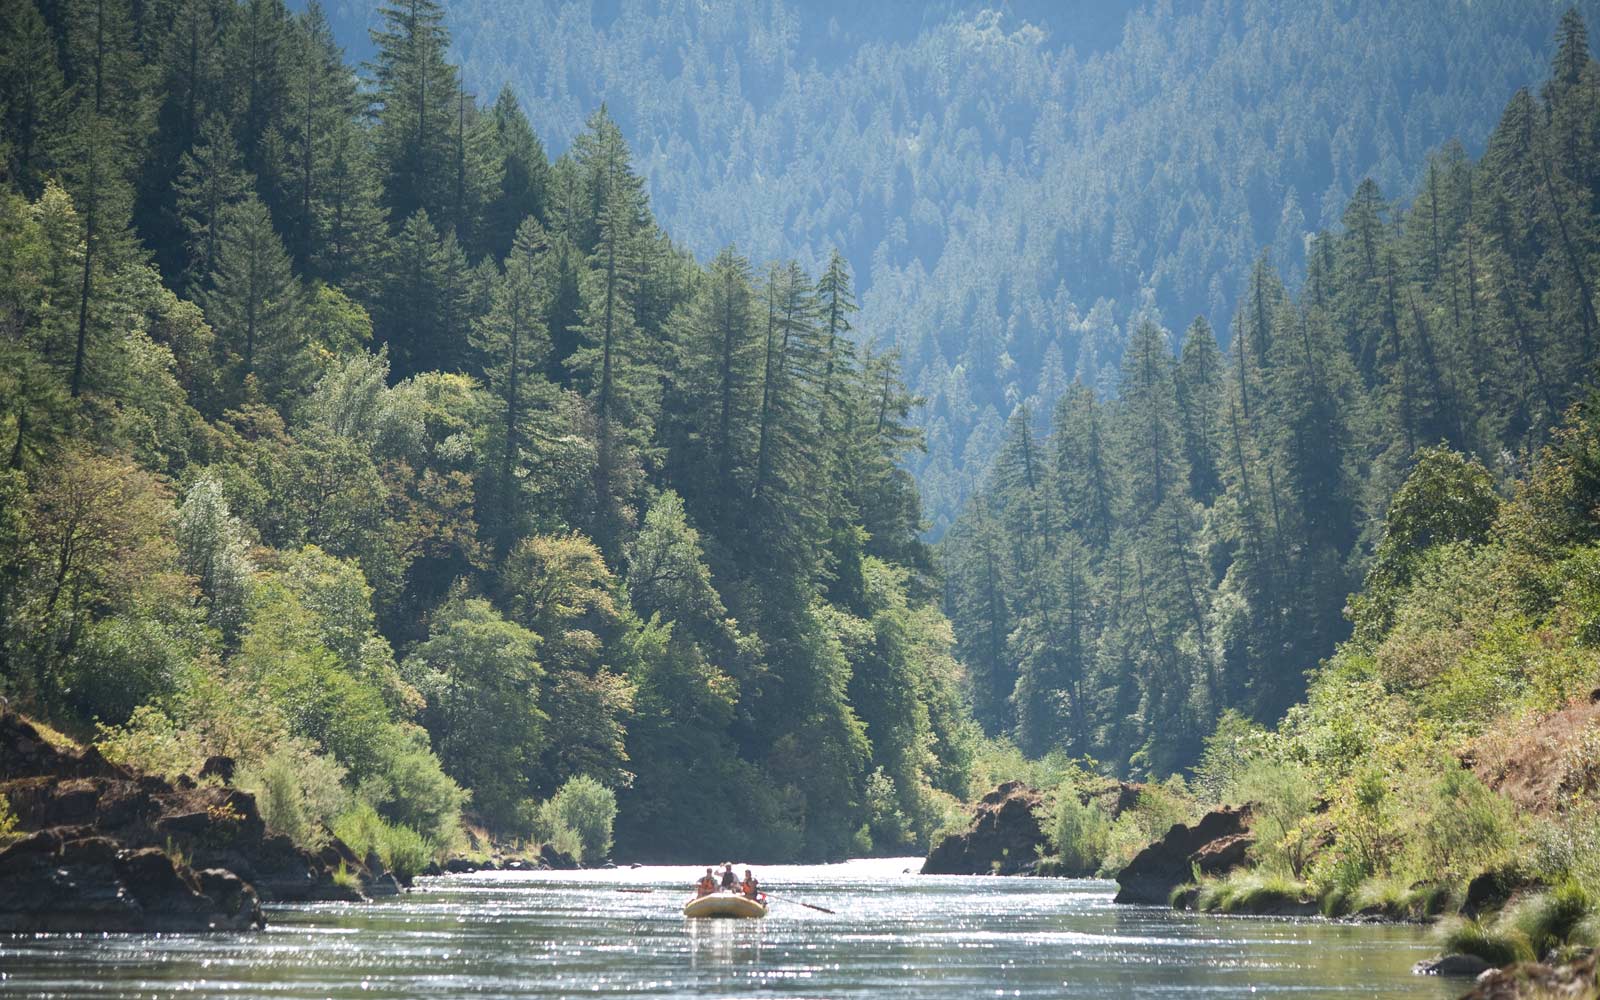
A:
1213, 846
61, 881
556, 860
64, 790
1004, 838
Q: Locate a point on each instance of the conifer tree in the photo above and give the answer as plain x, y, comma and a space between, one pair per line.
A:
211, 182
416, 105
524, 175
32, 95
255, 303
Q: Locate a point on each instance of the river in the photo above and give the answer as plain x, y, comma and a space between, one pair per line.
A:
895, 935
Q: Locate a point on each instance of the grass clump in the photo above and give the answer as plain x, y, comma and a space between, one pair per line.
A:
1252, 891
1546, 920
1486, 941
344, 878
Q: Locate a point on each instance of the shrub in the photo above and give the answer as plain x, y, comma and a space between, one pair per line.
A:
1284, 796
1152, 815
345, 878
887, 825
1461, 826
298, 791
9, 829
405, 852
586, 808
1081, 832
151, 741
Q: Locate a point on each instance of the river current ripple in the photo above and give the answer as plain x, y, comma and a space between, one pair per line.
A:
895, 935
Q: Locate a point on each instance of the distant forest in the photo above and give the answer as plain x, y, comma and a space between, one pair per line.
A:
1189, 545
1019, 187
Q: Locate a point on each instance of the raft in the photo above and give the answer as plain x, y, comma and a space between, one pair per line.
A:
724, 904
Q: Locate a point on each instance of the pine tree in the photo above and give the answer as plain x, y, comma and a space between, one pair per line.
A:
256, 49
514, 344
255, 304
319, 104
524, 176
32, 95
1199, 390
416, 105
612, 370
426, 309
212, 181
105, 134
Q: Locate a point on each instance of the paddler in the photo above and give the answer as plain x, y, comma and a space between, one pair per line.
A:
730, 881
749, 886
707, 884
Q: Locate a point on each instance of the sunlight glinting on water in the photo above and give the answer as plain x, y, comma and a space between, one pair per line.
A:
895, 935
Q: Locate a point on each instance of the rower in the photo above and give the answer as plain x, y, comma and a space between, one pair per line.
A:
750, 887
730, 881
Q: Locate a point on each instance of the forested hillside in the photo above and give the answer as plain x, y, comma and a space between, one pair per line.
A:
1188, 546
346, 434
1020, 186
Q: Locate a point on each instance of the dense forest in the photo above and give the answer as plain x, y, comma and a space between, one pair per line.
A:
1188, 546
1018, 184
347, 434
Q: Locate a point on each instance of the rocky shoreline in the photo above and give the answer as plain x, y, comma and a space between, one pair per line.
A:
109, 849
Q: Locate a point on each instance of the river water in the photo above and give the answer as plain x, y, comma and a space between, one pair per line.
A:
895, 935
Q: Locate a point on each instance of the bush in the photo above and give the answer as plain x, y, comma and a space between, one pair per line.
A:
887, 825
1284, 796
151, 741
587, 809
298, 791
1461, 827
403, 851
411, 788
9, 829
1152, 815
1081, 832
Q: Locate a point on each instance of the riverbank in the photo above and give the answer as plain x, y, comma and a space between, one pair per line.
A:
91, 846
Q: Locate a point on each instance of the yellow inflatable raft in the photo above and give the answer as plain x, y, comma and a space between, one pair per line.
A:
724, 904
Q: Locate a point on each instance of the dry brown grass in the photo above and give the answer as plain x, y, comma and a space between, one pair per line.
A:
1540, 763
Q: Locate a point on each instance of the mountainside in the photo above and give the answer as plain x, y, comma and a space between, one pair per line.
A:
1016, 190
1188, 546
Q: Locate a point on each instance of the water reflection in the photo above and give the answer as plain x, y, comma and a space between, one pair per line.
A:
895, 936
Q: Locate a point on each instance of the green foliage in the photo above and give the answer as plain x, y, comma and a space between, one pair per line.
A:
587, 809
9, 829
1080, 832
1253, 891
1282, 795
298, 791
1480, 938
403, 851
1153, 813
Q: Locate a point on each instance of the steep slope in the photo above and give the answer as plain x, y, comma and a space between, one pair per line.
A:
1014, 189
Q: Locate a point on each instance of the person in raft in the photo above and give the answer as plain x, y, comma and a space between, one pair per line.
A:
730, 881
707, 884
749, 886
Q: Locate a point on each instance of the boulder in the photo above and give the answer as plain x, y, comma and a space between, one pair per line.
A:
1537, 981
1213, 846
1462, 966
555, 860
218, 767
1004, 837
52, 883
460, 866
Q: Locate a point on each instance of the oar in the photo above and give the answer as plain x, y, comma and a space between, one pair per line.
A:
809, 906
636, 890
